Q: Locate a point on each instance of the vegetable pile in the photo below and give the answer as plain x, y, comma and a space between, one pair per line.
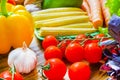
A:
62, 21
67, 28
82, 47
75, 51
112, 65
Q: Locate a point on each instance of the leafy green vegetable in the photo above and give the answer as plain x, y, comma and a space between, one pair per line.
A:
114, 6
118, 12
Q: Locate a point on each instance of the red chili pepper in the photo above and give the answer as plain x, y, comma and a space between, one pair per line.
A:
12, 2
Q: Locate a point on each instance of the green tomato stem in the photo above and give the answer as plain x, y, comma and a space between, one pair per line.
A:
46, 67
3, 8
13, 70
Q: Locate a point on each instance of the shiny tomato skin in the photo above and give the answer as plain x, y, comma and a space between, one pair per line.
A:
57, 69
99, 36
53, 52
18, 77
63, 44
49, 40
79, 71
93, 52
7, 75
90, 41
74, 52
81, 36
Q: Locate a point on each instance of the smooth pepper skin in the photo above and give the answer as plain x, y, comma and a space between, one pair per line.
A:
11, 2
61, 3
16, 27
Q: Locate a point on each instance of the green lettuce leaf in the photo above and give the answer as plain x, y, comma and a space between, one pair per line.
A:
114, 6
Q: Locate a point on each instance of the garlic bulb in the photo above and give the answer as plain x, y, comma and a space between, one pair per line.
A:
23, 59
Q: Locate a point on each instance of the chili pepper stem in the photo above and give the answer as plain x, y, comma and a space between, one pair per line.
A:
3, 8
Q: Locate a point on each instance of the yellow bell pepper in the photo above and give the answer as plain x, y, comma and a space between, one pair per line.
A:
16, 26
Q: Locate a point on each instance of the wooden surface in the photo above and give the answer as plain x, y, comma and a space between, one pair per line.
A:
34, 75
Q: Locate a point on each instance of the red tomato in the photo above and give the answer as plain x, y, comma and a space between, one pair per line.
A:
63, 44
87, 42
7, 75
53, 52
79, 71
49, 40
81, 36
74, 52
93, 52
99, 36
57, 69
90, 41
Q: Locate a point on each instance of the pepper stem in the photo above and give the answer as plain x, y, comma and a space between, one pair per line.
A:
3, 8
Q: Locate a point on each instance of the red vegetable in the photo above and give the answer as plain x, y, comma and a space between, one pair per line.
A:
81, 36
74, 52
7, 75
79, 71
53, 52
99, 36
63, 44
12, 2
56, 69
49, 40
93, 52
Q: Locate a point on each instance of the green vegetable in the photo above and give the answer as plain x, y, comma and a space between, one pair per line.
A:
61, 3
114, 6
103, 30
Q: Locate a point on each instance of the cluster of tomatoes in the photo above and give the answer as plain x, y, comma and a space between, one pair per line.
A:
74, 51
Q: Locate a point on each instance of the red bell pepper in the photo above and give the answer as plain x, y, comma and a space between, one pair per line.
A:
12, 2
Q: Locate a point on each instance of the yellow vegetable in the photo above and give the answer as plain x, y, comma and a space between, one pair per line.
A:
61, 31
16, 27
38, 17
61, 21
78, 25
52, 10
